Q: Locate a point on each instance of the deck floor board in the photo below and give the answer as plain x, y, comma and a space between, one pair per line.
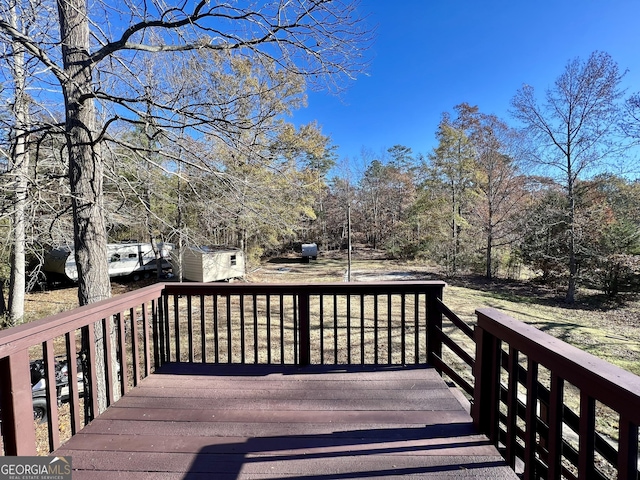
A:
256, 421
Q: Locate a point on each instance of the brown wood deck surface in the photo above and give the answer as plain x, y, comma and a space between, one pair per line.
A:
324, 422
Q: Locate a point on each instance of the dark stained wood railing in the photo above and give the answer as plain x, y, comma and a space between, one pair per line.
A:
364, 323
459, 342
374, 323
72, 337
525, 383
517, 378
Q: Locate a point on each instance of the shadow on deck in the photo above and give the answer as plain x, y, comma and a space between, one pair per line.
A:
260, 421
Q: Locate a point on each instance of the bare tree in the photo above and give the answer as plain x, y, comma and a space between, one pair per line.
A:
319, 40
498, 182
573, 130
631, 127
28, 17
19, 156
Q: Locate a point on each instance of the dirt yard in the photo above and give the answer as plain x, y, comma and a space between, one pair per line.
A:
606, 328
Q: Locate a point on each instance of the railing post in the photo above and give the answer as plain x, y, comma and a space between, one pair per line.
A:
628, 449
304, 343
18, 430
486, 372
434, 325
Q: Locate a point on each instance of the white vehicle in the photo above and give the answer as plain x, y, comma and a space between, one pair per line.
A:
134, 259
309, 251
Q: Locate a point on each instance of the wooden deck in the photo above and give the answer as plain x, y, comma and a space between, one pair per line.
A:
324, 422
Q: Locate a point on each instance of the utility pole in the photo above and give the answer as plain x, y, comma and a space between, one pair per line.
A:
349, 243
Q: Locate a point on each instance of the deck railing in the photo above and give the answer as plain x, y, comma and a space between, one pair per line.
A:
546, 404
75, 338
340, 323
388, 322
525, 407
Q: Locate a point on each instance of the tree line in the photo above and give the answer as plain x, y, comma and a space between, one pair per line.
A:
172, 125
556, 192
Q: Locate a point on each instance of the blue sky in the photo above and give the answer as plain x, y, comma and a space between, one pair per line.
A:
430, 55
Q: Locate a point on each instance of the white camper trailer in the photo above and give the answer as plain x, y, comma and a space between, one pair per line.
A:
130, 258
208, 264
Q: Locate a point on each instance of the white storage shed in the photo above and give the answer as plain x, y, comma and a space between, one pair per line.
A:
208, 264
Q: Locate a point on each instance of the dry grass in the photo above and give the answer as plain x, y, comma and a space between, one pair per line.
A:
610, 330
43, 304
345, 329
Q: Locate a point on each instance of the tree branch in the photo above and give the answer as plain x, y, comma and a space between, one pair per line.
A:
33, 49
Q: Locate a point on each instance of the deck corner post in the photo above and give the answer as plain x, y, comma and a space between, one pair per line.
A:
434, 324
18, 431
487, 376
304, 343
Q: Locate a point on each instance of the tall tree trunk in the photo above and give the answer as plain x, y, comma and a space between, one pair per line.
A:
451, 263
573, 264
19, 171
85, 175
85, 162
489, 253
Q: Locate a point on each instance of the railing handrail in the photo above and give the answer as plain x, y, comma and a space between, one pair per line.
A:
27, 335
24, 336
304, 294
356, 288
608, 383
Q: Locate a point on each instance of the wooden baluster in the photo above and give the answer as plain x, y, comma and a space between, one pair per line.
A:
255, 328
531, 421
203, 331
268, 313
556, 406
362, 341
90, 375
52, 395
72, 378
628, 449
134, 346
176, 327
146, 340
190, 327
122, 355
512, 407
587, 434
